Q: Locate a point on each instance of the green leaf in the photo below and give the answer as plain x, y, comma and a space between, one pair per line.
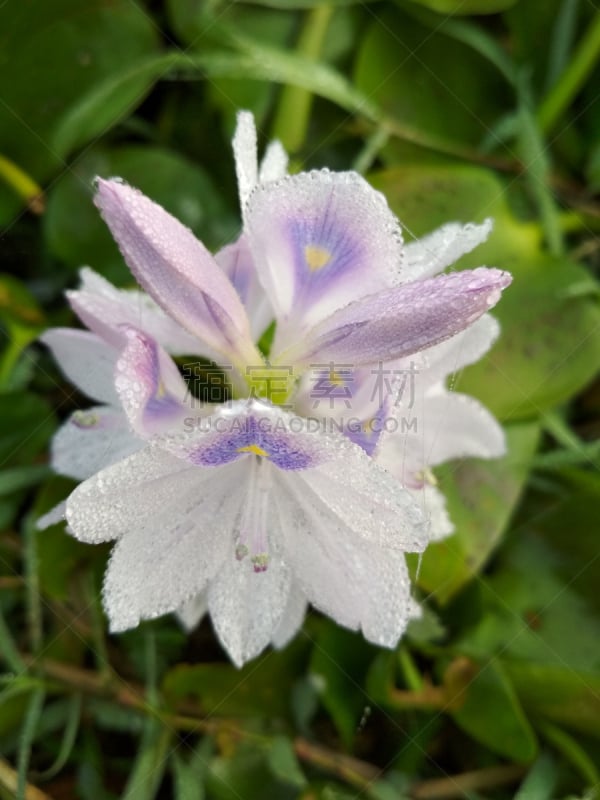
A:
104, 105
16, 478
26, 424
284, 763
540, 781
489, 711
558, 693
190, 774
75, 231
150, 763
531, 614
245, 773
481, 496
337, 668
455, 7
85, 44
427, 81
259, 688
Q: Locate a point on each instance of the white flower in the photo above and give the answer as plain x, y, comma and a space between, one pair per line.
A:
244, 509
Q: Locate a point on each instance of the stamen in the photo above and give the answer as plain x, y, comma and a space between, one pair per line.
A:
253, 539
85, 419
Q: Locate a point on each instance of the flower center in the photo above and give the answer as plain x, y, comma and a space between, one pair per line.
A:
271, 383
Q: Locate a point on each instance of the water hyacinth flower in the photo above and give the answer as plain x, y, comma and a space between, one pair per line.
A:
247, 508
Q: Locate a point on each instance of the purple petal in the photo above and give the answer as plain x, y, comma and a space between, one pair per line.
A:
254, 429
320, 240
237, 263
151, 389
103, 308
404, 320
176, 270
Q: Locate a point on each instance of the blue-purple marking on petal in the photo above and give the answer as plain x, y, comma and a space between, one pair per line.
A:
242, 436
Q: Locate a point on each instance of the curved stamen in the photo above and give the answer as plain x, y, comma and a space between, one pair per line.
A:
253, 538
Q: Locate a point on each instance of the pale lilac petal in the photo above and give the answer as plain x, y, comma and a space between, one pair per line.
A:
163, 513
176, 270
317, 545
133, 493
245, 155
398, 322
359, 585
91, 440
367, 499
274, 165
431, 254
320, 240
103, 308
291, 619
461, 350
152, 392
433, 503
388, 604
237, 263
52, 517
246, 607
448, 425
247, 429
458, 426
192, 611
86, 360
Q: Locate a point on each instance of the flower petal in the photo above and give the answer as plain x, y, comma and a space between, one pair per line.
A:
245, 155
237, 263
192, 611
433, 503
370, 502
457, 426
449, 425
433, 253
359, 585
151, 488
461, 350
86, 360
274, 165
151, 390
246, 607
320, 240
401, 321
103, 308
162, 511
291, 618
176, 270
249, 429
91, 440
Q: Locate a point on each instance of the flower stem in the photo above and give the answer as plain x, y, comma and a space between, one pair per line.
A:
293, 112
572, 79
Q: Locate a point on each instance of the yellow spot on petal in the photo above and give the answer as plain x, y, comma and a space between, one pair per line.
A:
253, 448
316, 257
160, 390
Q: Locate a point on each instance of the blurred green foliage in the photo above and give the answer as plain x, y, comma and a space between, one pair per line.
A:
456, 110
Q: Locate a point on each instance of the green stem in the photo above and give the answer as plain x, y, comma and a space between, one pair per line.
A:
22, 184
572, 79
34, 609
293, 113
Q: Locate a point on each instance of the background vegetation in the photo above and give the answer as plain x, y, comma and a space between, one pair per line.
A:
457, 110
